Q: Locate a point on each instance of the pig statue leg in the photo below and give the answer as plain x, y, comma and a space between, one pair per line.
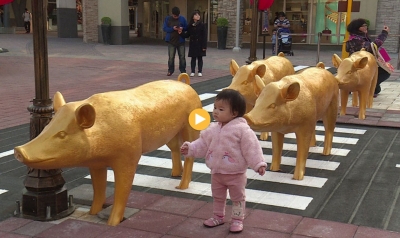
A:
363, 95
329, 121
124, 173
313, 141
99, 182
303, 146
344, 96
372, 90
264, 136
277, 146
354, 100
174, 146
188, 134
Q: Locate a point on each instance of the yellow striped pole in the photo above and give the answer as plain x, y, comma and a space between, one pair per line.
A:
346, 37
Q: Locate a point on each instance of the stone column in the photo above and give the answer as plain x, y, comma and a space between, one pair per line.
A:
117, 10
67, 19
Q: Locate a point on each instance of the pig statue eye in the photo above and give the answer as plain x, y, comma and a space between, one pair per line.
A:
62, 134
272, 106
349, 72
245, 82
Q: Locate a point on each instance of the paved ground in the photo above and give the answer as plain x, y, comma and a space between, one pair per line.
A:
354, 196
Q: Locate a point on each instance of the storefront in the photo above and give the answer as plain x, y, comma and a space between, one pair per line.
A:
307, 17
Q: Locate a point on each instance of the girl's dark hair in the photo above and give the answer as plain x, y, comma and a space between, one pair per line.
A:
355, 24
235, 100
191, 21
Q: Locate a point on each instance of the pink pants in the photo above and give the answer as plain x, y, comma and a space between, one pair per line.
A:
236, 184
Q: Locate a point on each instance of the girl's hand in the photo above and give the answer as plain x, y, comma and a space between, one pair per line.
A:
261, 171
386, 28
184, 149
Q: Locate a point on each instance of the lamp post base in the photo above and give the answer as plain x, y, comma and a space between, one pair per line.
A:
45, 206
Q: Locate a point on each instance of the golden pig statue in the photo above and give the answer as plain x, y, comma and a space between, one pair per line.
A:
294, 104
113, 129
269, 70
358, 73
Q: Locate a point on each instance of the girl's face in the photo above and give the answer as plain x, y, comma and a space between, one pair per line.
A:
196, 17
222, 112
363, 28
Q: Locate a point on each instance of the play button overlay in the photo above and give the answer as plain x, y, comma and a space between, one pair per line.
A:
199, 119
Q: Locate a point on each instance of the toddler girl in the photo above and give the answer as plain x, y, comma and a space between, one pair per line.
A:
229, 147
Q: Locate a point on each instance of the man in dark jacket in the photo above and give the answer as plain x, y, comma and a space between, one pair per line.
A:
174, 26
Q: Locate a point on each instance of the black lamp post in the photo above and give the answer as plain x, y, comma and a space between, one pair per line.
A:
253, 34
45, 196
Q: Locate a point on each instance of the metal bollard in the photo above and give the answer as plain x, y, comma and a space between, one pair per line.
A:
70, 200
18, 208
48, 212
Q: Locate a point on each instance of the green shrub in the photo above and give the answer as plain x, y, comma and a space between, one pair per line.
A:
106, 21
367, 22
222, 21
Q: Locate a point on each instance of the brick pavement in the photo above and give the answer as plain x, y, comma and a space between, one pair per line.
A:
79, 70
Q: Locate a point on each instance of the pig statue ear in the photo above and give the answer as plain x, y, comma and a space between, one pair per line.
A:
290, 91
336, 60
233, 67
58, 101
320, 65
258, 86
360, 63
85, 115
258, 70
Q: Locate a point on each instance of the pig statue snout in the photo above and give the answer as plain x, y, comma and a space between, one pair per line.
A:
19, 154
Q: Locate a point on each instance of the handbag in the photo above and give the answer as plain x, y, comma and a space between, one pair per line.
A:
380, 60
384, 54
327, 31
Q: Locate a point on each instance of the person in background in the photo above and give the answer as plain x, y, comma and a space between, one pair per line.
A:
273, 41
174, 26
27, 20
282, 21
359, 39
197, 43
229, 147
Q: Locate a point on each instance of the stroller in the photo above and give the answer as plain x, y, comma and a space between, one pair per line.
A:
284, 41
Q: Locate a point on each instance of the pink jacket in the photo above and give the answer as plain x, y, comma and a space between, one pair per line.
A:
230, 149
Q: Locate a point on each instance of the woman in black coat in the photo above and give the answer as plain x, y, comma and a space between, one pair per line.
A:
197, 43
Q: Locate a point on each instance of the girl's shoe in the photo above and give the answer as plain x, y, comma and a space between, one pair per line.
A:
213, 222
236, 226
199, 74
192, 74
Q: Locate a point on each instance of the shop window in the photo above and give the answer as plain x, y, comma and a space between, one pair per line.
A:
297, 14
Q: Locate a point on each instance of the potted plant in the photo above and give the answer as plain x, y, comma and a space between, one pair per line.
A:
222, 32
106, 30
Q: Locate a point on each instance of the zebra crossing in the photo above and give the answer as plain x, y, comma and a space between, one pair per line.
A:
263, 196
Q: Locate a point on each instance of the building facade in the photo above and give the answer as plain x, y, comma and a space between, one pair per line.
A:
145, 17
307, 18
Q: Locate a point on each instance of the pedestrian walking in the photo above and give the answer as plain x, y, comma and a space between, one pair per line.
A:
359, 39
27, 20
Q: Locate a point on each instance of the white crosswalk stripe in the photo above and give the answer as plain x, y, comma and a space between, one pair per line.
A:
256, 196
2, 191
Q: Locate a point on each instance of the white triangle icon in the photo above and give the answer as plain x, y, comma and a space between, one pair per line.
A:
198, 119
